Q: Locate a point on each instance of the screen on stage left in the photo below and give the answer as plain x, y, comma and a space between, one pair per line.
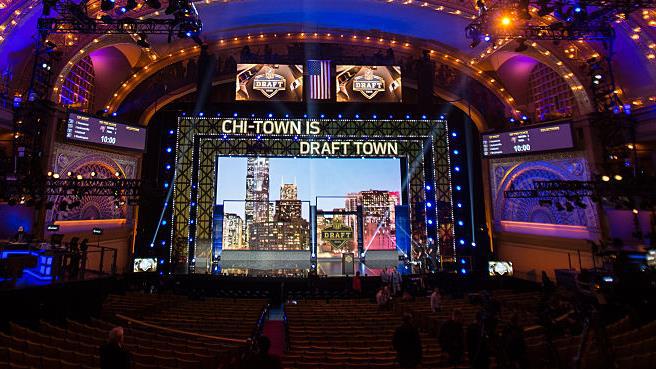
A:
267, 203
269, 82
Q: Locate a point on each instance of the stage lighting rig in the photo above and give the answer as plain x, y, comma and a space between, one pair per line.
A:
73, 18
575, 20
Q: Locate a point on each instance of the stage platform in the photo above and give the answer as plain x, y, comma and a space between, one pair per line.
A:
291, 263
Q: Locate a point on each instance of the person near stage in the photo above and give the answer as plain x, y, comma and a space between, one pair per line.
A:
357, 284
20, 236
384, 277
436, 300
261, 358
383, 298
396, 281
452, 338
112, 354
513, 345
478, 344
407, 344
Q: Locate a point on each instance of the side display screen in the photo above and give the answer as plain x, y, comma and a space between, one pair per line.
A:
95, 130
368, 83
269, 82
528, 140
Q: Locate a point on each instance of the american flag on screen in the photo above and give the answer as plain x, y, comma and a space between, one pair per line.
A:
319, 79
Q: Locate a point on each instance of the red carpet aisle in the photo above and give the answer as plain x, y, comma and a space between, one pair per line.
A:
274, 328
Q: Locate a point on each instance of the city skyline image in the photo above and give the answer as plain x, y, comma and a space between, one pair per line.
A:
266, 200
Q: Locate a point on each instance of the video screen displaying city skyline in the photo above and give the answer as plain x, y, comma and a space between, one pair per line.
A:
266, 203
312, 176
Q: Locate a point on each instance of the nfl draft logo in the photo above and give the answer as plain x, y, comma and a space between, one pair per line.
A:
269, 83
337, 234
368, 85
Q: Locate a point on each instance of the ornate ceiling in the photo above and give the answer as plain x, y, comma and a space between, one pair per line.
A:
407, 26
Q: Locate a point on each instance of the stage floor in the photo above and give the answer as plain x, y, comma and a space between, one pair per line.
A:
325, 267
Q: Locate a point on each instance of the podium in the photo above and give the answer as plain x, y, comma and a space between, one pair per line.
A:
348, 263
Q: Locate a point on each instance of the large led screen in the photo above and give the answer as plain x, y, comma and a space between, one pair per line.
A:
267, 202
94, 130
368, 83
528, 140
269, 82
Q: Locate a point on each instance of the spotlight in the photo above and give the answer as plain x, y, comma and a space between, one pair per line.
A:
487, 38
107, 19
506, 21
130, 4
580, 204
155, 4
569, 207
523, 10
70, 174
143, 41
107, 5
49, 174
117, 174
618, 177
473, 32
55, 175
605, 178
521, 46
93, 174
78, 177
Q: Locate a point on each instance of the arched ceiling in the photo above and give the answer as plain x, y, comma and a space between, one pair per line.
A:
438, 22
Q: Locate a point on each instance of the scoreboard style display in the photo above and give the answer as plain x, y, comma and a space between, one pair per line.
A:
528, 140
368, 83
94, 130
269, 82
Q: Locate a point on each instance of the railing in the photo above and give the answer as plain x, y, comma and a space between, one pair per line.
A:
229, 359
104, 253
180, 332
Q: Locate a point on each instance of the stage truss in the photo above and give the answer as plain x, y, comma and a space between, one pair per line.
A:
422, 143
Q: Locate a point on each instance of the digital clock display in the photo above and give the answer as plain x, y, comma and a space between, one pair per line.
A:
528, 140
100, 131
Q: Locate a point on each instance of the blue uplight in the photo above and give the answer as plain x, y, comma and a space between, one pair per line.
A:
458, 188
454, 134
456, 168
169, 149
430, 221
166, 185
462, 242
168, 166
357, 116
428, 187
463, 271
270, 115
463, 261
459, 205
429, 205
461, 223
171, 131
164, 222
456, 152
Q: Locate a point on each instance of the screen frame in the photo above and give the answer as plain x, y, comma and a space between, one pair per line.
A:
553, 123
94, 144
369, 102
